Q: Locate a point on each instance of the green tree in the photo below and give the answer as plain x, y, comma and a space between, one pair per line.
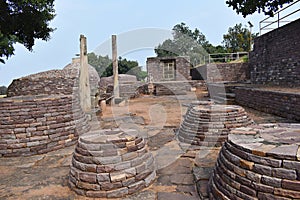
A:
186, 42
238, 39
3, 90
248, 7
103, 65
23, 21
100, 63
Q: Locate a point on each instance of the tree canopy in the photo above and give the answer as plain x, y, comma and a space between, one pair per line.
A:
3, 90
103, 65
23, 21
248, 7
187, 42
238, 39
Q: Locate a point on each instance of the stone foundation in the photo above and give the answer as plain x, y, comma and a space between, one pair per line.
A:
259, 162
39, 124
209, 125
111, 164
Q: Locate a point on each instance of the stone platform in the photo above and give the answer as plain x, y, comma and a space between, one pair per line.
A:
259, 162
209, 125
39, 124
111, 164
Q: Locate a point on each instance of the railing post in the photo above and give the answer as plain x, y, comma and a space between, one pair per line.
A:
278, 20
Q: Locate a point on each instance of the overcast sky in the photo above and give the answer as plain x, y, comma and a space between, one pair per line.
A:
139, 25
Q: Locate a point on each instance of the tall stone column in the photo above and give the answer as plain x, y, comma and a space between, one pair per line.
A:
115, 66
84, 84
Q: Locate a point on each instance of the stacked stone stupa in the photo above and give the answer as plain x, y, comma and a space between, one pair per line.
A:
111, 164
209, 125
259, 162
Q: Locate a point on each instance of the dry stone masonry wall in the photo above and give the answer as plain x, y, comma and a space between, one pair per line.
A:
39, 124
259, 162
220, 72
208, 125
111, 164
276, 57
283, 104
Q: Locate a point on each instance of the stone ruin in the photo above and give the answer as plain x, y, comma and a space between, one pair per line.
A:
39, 124
128, 86
209, 124
42, 112
110, 164
53, 82
259, 162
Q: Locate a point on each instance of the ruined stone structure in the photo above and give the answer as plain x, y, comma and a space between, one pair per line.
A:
42, 112
284, 104
276, 57
259, 162
209, 125
39, 124
128, 85
169, 68
110, 164
61, 82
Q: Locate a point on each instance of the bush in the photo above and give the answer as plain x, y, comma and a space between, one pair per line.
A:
3, 90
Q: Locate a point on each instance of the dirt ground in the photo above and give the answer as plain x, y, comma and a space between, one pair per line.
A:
156, 118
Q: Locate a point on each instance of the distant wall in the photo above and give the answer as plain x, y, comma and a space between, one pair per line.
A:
222, 72
279, 103
276, 57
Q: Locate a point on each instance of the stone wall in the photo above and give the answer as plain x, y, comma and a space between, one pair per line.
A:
155, 68
39, 124
276, 57
222, 72
279, 103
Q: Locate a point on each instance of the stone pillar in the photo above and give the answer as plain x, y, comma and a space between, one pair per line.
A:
115, 66
84, 84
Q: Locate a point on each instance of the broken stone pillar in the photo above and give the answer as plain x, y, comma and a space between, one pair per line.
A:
115, 66
84, 84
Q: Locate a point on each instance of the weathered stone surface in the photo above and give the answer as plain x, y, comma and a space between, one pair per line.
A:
208, 125
39, 124
109, 175
182, 179
245, 171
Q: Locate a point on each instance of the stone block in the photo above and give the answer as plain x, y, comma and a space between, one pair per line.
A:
284, 173
117, 193
291, 184
103, 177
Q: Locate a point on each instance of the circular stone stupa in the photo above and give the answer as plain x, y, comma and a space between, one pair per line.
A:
111, 164
209, 125
259, 162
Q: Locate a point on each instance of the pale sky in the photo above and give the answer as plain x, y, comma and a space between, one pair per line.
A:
139, 26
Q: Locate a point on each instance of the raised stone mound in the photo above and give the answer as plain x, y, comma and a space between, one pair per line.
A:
39, 124
259, 162
61, 82
94, 78
209, 125
198, 103
111, 164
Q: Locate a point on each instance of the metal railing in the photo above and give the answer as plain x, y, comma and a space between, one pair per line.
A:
278, 18
226, 57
